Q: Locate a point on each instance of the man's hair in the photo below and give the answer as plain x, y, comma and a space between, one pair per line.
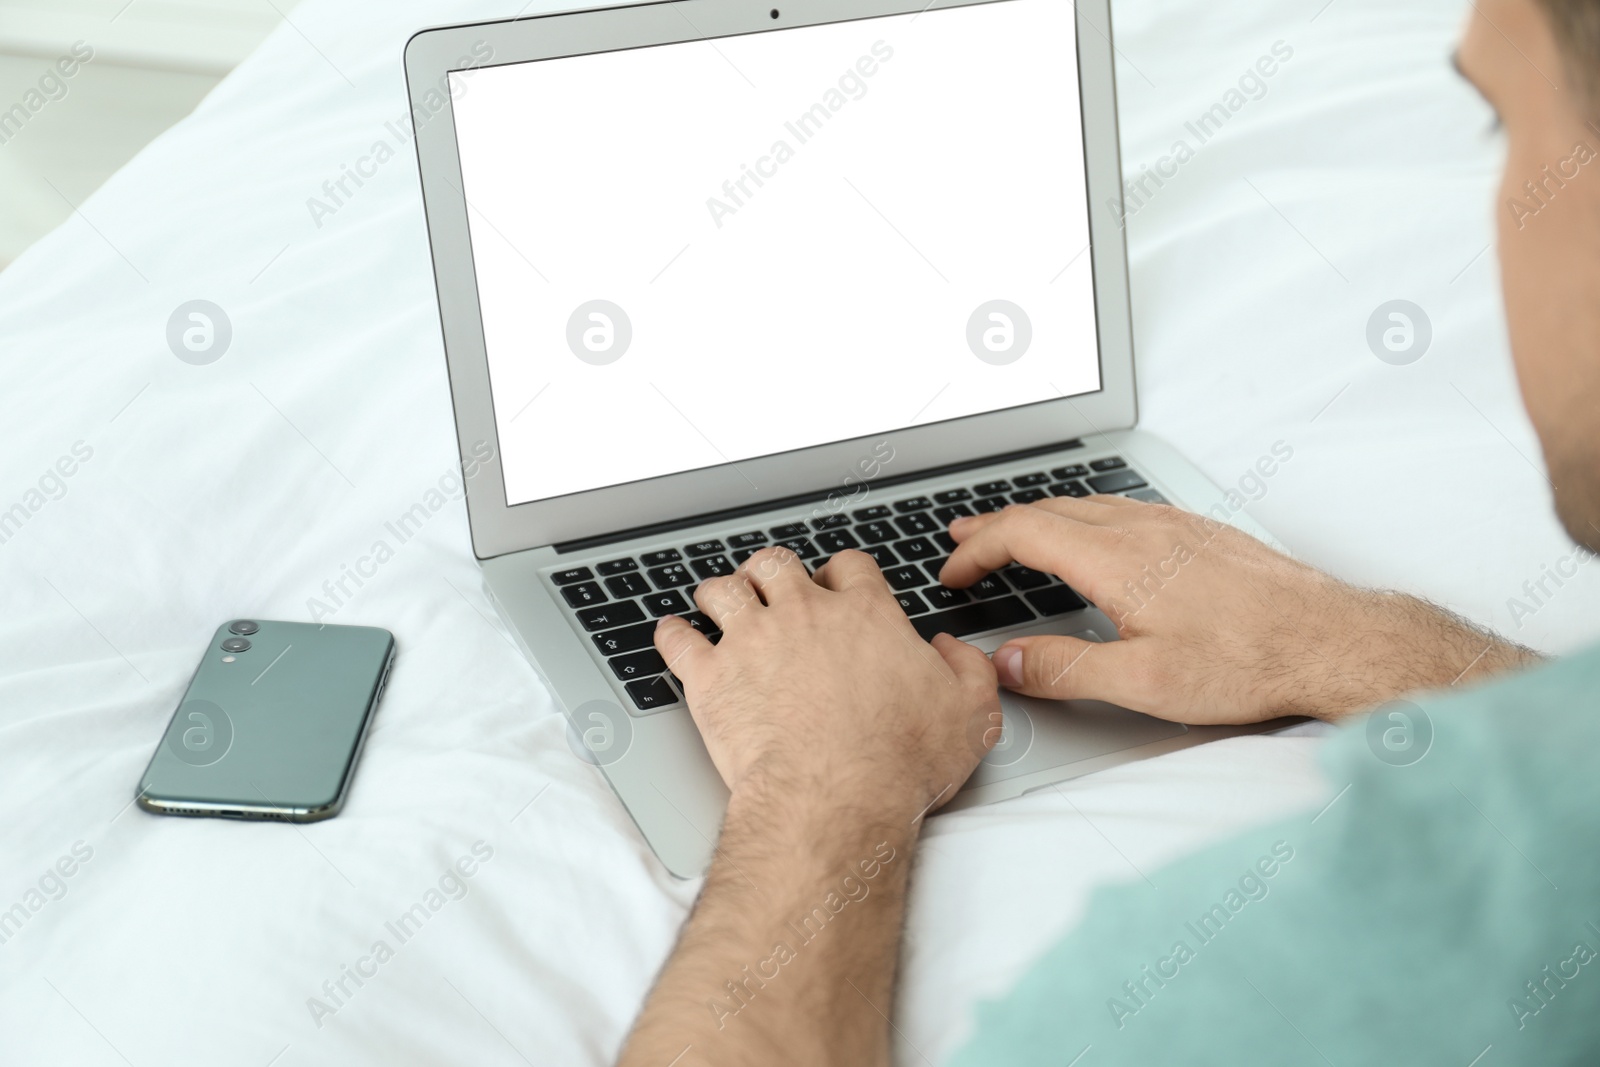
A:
1576, 24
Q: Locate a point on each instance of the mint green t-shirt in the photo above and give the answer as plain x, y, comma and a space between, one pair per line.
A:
1443, 909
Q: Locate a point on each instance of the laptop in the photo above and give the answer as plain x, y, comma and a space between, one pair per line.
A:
721, 274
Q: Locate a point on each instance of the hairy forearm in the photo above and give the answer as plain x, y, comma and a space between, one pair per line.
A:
1401, 644
789, 957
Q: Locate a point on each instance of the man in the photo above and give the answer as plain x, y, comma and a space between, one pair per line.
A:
1447, 911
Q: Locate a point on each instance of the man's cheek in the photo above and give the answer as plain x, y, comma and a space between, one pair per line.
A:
1543, 277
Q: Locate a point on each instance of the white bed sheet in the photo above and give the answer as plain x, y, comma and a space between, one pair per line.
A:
237, 489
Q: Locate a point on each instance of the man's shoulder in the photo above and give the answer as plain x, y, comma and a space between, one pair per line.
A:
1531, 727
1451, 819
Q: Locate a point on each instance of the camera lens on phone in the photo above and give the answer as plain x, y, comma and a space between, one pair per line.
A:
243, 626
235, 644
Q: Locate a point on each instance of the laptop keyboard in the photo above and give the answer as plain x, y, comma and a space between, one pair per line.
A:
617, 602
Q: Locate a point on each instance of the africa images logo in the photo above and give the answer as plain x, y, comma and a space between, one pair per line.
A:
201, 733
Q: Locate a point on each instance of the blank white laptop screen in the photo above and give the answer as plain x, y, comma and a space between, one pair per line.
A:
700, 253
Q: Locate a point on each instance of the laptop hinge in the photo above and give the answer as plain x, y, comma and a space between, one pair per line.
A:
653, 529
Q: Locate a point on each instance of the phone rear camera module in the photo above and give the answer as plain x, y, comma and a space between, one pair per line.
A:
243, 626
235, 644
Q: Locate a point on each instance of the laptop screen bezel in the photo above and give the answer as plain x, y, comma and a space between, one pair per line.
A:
498, 528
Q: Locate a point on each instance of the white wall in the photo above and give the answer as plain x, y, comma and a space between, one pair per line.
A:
196, 36
153, 62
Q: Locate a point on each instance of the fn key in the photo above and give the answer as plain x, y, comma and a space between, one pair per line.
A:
652, 693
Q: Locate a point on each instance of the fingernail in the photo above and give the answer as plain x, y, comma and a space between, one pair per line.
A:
958, 523
1008, 666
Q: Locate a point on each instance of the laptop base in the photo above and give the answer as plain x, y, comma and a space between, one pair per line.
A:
658, 766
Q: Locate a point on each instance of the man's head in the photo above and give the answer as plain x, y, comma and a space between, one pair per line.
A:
1537, 62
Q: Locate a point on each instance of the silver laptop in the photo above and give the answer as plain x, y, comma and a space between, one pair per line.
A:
719, 274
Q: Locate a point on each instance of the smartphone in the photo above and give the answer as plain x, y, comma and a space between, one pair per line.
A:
272, 723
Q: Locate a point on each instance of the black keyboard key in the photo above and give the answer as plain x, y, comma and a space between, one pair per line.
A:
950, 496
1028, 481
574, 574
988, 587
800, 546
656, 559
581, 596
934, 566
670, 576
1074, 470
940, 598
950, 514
992, 488
1072, 488
626, 585
904, 578
617, 566
626, 639
916, 548
670, 602
1056, 600
705, 548
916, 503
1028, 496
912, 525
872, 514
606, 616
712, 566
836, 541
702, 622
974, 618
883, 554
911, 603
944, 541
1149, 496
742, 554
652, 693
638, 665
1116, 482
1025, 577
989, 503
1110, 463
793, 529
830, 522
876, 533
745, 540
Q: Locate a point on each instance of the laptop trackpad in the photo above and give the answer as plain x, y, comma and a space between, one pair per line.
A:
1037, 735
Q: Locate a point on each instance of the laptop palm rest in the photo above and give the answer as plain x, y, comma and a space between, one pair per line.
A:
1037, 735
1040, 734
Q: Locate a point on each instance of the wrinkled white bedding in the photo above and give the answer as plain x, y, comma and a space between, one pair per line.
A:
1360, 171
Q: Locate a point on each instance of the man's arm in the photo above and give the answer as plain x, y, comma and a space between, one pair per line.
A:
836, 728
790, 954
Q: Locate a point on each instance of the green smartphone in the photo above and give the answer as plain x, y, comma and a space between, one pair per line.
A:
272, 723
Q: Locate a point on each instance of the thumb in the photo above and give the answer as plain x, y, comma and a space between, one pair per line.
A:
683, 647
1065, 668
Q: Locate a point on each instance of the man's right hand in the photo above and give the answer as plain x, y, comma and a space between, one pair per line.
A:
1216, 627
